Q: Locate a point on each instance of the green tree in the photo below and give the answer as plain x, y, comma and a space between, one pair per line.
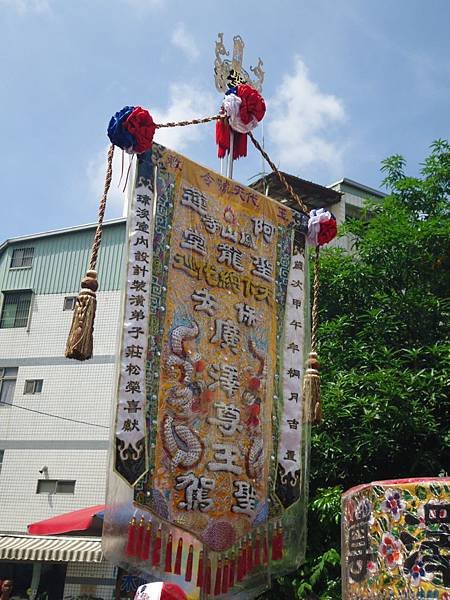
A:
384, 351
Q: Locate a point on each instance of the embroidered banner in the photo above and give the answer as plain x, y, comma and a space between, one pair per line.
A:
130, 423
214, 450
395, 539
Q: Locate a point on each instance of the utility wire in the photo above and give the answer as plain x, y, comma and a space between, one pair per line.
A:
39, 412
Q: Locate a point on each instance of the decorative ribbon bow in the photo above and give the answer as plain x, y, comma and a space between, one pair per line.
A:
244, 108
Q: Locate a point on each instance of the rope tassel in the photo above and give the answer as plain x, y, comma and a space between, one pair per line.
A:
80, 340
311, 391
311, 382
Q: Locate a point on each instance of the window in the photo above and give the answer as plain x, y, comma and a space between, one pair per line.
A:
8, 378
69, 302
2, 454
15, 310
55, 486
33, 386
22, 257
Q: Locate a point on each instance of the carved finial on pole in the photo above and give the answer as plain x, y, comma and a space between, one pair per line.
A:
230, 73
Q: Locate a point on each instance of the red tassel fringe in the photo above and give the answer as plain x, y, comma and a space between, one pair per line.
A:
130, 549
241, 564
200, 570
277, 543
225, 577
208, 577
140, 537
218, 580
249, 555
145, 549
156, 555
178, 557
257, 559
168, 561
232, 570
265, 550
190, 560
252, 553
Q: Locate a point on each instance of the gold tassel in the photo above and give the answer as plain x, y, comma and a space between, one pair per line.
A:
80, 341
311, 391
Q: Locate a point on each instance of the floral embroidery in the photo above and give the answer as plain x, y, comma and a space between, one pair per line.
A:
393, 504
390, 549
417, 572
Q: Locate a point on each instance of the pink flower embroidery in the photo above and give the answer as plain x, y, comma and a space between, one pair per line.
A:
390, 549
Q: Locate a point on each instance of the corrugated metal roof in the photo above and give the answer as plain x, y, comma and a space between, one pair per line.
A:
42, 234
50, 548
60, 261
313, 194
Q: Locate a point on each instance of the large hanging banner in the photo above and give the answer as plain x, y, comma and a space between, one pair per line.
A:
209, 477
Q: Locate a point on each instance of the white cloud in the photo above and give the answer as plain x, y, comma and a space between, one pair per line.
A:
184, 103
26, 6
182, 39
96, 171
300, 118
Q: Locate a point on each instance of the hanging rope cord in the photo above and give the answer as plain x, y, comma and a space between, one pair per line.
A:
102, 206
315, 303
281, 177
304, 208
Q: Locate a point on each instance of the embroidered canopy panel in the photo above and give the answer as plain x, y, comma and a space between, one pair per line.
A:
210, 452
395, 539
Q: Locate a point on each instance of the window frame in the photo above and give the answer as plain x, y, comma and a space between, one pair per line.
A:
4, 304
66, 299
7, 377
36, 386
57, 483
27, 255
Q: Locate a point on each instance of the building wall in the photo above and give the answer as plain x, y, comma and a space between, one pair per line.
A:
60, 261
351, 206
72, 390
96, 579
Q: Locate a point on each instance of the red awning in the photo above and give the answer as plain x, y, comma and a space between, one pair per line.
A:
77, 520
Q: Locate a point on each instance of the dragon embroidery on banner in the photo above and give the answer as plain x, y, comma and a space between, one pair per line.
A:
181, 442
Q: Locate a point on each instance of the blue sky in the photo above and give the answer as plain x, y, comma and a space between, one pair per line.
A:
347, 84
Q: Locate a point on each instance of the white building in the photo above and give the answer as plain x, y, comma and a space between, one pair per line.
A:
344, 198
54, 412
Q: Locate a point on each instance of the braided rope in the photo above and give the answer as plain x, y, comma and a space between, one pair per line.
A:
280, 175
290, 189
192, 122
101, 211
315, 304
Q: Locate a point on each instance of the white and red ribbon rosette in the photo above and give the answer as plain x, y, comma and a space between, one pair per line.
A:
322, 227
159, 590
244, 108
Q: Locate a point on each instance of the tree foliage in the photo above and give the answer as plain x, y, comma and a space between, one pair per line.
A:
384, 351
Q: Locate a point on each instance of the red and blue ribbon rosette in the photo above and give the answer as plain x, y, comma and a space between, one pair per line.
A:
244, 108
132, 129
